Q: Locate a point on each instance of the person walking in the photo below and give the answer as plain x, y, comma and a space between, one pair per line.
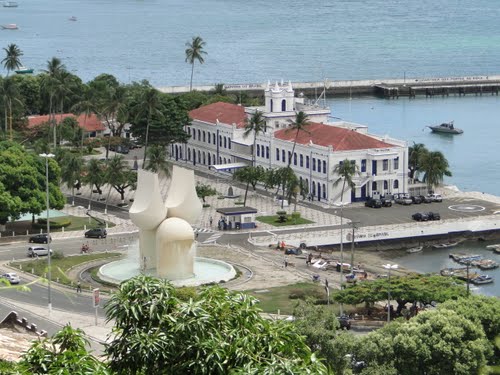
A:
211, 221
78, 287
286, 261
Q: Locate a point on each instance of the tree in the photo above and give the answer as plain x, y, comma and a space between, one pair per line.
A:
249, 176
300, 123
204, 190
157, 161
85, 105
94, 175
435, 166
118, 176
9, 92
194, 52
256, 124
71, 171
12, 59
157, 333
416, 154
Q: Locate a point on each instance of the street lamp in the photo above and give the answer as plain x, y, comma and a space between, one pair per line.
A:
389, 267
341, 204
47, 156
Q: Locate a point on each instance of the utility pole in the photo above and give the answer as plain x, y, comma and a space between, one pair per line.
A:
354, 227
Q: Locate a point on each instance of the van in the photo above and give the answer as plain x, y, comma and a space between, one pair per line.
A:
36, 251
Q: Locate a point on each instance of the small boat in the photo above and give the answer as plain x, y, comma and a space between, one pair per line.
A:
445, 245
24, 70
72, 18
446, 127
493, 247
460, 273
10, 26
415, 249
487, 264
10, 4
482, 279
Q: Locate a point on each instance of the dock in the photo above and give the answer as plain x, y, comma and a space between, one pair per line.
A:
384, 88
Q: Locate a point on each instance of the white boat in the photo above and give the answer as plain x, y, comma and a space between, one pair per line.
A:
415, 249
72, 18
10, 26
482, 279
446, 127
10, 4
495, 246
445, 245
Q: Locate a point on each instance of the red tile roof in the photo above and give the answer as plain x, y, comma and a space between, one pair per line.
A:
91, 124
226, 113
341, 139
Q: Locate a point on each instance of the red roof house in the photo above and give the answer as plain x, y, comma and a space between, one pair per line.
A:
225, 113
90, 124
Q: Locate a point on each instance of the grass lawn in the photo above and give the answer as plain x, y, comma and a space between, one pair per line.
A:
273, 220
78, 223
60, 266
274, 299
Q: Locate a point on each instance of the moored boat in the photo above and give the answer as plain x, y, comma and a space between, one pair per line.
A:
24, 70
72, 18
482, 279
460, 273
446, 127
493, 247
487, 264
415, 249
10, 26
445, 245
10, 4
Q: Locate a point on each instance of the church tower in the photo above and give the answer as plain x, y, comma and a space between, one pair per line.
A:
279, 98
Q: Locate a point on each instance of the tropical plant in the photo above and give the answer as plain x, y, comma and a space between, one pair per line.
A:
194, 52
117, 173
256, 124
157, 160
9, 93
416, 155
12, 59
94, 175
85, 105
204, 190
435, 166
71, 171
249, 176
300, 123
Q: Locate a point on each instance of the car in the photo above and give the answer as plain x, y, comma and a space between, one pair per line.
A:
386, 202
38, 251
40, 238
433, 215
374, 203
403, 199
436, 197
96, 233
294, 251
122, 149
420, 216
425, 199
12, 277
344, 322
416, 199
134, 144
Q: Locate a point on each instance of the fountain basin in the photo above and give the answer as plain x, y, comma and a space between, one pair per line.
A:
206, 270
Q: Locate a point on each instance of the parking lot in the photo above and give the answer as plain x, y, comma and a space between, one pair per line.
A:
449, 208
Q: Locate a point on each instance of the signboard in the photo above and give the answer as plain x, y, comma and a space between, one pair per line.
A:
96, 296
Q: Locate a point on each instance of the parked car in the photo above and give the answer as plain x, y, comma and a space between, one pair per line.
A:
134, 144
416, 199
436, 197
386, 202
434, 216
96, 233
12, 277
40, 238
38, 251
403, 199
420, 216
425, 198
294, 251
344, 322
374, 203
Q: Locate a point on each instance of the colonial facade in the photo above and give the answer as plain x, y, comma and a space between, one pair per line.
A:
217, 141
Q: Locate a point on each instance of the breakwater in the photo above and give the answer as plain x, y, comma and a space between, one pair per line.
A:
387, 88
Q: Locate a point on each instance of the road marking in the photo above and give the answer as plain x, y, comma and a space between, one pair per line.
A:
213, 238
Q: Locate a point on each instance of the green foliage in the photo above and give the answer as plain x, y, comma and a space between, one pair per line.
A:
157, 333
204, 190
54, 224
57, 255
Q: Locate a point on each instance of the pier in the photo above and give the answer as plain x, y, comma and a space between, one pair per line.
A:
385, 88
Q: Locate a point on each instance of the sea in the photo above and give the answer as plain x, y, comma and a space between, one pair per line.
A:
260, 40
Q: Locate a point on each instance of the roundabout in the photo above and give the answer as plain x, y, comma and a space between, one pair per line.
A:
466, 208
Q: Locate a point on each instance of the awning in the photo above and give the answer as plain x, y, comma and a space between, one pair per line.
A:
221, 167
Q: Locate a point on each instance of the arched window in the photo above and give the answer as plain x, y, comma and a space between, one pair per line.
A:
267, 152
283, 105
204, 158
220, 140
199, 156
283, 159
194, 134
289, 156
314, 164
386, 185
229, 143
220, 159
258, 150
209, 159
307, 162
199, 135
294, 158
213, 139
324, 191
204, 140
374, 186
324, 166
262, 151
277, 154
225, 142
396, 184
271, 102
189, 153
301, 160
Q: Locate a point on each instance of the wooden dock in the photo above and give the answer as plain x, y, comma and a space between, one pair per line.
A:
385, 88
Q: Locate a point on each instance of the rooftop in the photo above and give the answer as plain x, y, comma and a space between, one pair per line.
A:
225, 113
90, 123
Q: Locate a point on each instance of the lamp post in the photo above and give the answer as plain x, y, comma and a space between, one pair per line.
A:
47, 156
389, 267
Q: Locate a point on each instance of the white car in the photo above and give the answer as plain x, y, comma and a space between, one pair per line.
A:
36, 251
12, 277
436, 197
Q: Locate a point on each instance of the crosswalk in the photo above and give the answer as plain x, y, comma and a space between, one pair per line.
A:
202, 230
213, 238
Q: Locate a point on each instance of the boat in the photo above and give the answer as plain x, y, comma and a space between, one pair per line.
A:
10, 26
482, 279
446, 127
10, 4
487, 264
493, 247
466, 258
24, 70
460, 273
445, 245
72, 18
415, 249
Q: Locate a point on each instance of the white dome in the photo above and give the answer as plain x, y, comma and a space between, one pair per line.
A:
175, 229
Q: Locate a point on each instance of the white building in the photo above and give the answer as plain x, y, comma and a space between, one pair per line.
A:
217, 141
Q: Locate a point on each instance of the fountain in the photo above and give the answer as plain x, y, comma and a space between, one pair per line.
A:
167, 244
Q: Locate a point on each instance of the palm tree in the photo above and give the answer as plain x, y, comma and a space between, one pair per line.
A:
85, 105
300, 123
150, 105
416, 154
256, 124
435, 166
11, 60
71, 171
9, 92
62, 91
115, 169
158, 162
194, 52
94, 175
346, 172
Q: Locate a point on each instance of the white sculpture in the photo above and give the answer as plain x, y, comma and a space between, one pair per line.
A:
166, 238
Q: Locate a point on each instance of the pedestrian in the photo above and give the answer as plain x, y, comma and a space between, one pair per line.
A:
286, 261
211, 221
309, 259
78, 287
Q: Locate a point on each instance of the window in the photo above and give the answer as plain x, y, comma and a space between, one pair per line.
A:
199, 135
363, 165
262, 150
283, 105
204, 156
209, 159
294, 158
277, 154
189, 154
289, 157
314, 164
271, 103
229, 143
199, 156
396, 184
267, 152
324, 167
324, 191
283, 156
307, 162
258, 150
374, 186
220, 140
386, 185
225, 142
385, 164
301, 160
396, 163
194, 134
277, 124
204, 140
213, 139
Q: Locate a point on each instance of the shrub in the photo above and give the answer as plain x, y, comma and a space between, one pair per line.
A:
60, 223
282, 216
58, 254
205, 205
295, 215
238, 203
